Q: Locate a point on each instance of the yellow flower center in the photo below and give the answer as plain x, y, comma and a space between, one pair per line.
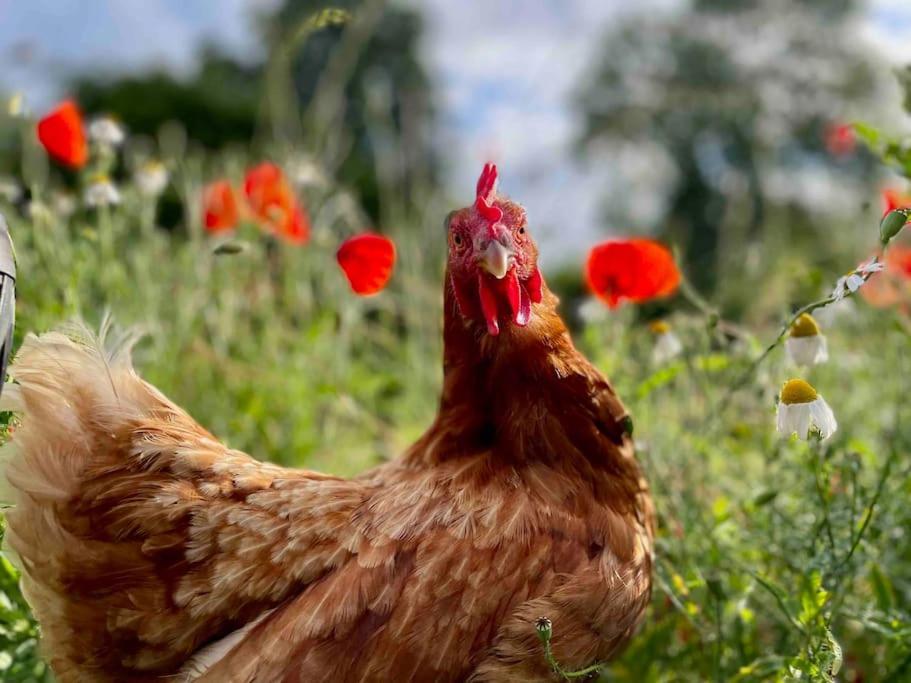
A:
805, 326
659, 327
797, 391
100, 179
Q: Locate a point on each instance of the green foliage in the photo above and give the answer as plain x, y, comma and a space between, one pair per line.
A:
774, 559
772, 555
19, 659
217, 107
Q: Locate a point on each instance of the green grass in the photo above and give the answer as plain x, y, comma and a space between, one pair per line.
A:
772, 554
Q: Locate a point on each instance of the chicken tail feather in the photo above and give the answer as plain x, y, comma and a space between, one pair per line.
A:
143, 540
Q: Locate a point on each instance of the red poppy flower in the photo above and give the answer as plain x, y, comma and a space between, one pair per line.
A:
895, 199
840, 139
273, 203
220, 210
367, 261
636, 270
898, 261
63, 135
892, 285
268, 193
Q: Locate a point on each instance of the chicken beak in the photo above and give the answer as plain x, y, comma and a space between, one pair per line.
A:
495, 259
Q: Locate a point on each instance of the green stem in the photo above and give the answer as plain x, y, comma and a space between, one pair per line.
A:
782, 334
689, 292
712, 315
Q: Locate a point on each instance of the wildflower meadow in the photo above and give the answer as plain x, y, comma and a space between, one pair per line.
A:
771, 412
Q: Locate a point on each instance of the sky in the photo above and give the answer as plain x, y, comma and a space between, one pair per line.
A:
505, 71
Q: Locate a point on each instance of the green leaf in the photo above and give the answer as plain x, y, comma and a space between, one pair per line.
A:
870, 135
882, 588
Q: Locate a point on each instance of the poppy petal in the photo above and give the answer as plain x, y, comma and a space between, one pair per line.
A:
62, 134
637, 270
273, 203
296, 228
219, 205
367, 261
895, 199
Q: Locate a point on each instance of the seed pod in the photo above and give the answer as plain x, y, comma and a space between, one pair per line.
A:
544, 629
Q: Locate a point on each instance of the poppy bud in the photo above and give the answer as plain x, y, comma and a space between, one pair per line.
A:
892, 224
228, 248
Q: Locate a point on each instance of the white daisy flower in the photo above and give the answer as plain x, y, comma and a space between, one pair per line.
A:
667, 344
803, 411
10, 190
64, 204
307, 173
39, 211
106, 132
851, 282
16, 106
101, 192
592, 311
151, 178
805, 344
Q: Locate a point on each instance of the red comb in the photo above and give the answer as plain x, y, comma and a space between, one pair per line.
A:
487, 181
487, 186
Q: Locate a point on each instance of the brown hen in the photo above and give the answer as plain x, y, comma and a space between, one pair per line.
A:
150, 550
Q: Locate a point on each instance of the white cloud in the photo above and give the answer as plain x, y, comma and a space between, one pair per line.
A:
508, 71
42, 42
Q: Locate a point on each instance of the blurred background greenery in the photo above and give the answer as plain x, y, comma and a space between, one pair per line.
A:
715, 126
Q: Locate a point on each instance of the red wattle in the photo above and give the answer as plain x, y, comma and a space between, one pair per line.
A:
513, 291
534, 284
488, 306
523, 314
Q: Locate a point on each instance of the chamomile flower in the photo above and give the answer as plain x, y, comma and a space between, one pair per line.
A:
151, 178
667, 344
851, 282
806, 345
106, 132
101, 192
64, 204
803, 411
39, 212
307, 173
591, 311
16, 106
10, 190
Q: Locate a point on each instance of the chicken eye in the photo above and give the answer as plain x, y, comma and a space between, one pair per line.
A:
522, 230
457, 238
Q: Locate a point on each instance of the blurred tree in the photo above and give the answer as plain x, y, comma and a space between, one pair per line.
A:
728, 102
368, 97
373, 91
217, 105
